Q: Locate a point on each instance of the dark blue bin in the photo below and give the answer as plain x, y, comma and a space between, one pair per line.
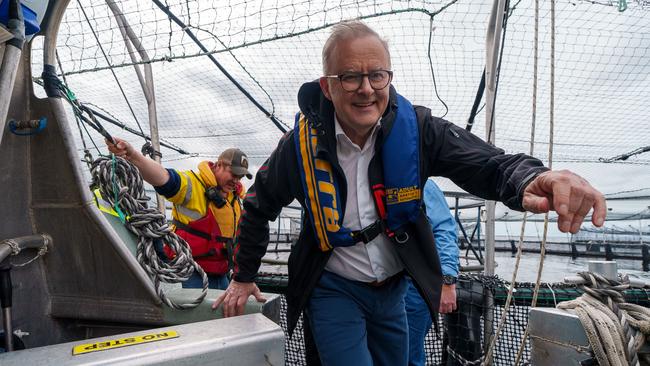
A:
31, 24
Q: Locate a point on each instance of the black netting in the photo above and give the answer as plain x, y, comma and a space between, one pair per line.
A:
600, 70
481, 300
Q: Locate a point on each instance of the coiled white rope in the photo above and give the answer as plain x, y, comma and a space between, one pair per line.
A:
616, 330
120, 184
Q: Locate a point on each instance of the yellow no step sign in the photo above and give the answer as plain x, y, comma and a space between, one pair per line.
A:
123, 342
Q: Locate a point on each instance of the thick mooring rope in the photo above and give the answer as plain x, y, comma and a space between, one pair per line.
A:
121, 185
616, 330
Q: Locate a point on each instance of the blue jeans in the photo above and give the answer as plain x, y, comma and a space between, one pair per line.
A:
419, 323
219, 282
356, 324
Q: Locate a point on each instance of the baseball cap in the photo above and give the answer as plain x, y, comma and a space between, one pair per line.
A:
237, 160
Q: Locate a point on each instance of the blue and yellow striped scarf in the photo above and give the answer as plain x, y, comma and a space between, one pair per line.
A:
400, 160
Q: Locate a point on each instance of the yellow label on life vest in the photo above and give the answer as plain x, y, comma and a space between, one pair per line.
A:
123, 342
400, 195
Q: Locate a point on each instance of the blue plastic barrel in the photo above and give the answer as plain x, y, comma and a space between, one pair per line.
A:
31, 24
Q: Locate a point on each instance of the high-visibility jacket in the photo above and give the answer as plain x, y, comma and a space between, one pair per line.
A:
209, 230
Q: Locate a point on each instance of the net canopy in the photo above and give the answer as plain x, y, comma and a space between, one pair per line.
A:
271, 47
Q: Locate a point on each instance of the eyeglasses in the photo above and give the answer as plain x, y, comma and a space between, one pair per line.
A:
351, 81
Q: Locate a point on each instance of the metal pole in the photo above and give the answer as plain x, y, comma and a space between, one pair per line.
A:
6, 304
492, 47
9, 247
493, 44
49, 56
11, 60
640, 233
131, 40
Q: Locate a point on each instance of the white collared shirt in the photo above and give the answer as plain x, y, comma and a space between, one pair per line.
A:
378, 259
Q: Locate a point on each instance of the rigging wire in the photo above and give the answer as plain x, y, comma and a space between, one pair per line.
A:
522, 231
80, 108
88, 158
477, 100
433, 74
542, 249
99, 44
625, 156
165, 8
108, 117
232, 54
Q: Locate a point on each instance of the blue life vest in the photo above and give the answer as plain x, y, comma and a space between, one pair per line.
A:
401, 164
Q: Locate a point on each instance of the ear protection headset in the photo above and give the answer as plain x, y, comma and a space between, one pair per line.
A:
212, 194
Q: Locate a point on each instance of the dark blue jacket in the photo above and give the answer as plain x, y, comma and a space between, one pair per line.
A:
445, 150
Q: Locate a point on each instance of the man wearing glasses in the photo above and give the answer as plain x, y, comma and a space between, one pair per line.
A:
356, 160
207, 206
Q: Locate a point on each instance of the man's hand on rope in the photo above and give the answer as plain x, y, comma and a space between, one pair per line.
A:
122, 149
235, 297
151, 171
569, 195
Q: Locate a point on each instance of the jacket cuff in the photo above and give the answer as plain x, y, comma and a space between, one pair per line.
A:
448, 270
244, 278
171, 187
524, 183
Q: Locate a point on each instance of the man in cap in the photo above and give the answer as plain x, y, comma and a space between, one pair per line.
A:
207, 206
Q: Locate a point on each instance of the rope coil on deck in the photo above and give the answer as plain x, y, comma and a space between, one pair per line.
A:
121, 185
616, 330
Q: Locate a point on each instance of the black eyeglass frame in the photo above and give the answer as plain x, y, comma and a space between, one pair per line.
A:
360, 76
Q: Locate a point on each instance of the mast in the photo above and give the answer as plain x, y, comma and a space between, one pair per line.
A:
492, 48
131, 40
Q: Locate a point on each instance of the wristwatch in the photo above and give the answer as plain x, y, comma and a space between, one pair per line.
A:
449, 280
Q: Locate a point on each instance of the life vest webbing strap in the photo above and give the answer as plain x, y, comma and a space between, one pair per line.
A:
200, 233
379, 194
368, 233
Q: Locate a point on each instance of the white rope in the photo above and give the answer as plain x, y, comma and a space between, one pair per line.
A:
520, 244
121, 185
511, 290
552, 293
542, 250
576, 347
616, 330
41, 252
15, 248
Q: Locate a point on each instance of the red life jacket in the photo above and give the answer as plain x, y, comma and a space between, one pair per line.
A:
212, 251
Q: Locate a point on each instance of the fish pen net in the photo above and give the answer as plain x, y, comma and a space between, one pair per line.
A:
270, 47
462, 334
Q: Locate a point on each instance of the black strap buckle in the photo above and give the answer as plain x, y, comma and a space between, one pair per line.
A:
368, 233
